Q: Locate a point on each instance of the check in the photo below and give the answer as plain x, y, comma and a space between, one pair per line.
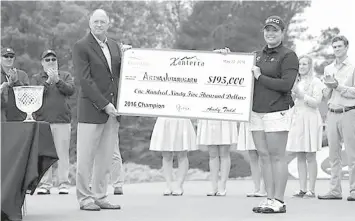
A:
186, 84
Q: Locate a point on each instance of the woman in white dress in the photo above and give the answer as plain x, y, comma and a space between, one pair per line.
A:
218, 136
246, 143
305, 136
174, 136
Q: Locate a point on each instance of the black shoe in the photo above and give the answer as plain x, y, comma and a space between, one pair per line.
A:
351, 197
118, 191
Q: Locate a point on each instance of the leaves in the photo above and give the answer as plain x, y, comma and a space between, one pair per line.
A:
321, 52
236, 25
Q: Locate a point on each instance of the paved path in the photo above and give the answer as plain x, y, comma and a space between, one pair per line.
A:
144, 202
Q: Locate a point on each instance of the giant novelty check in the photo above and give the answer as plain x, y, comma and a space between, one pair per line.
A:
187, 84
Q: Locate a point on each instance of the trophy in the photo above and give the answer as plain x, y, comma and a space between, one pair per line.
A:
29, 99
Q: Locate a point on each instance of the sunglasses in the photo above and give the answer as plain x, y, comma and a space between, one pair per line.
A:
48, 59
8, 56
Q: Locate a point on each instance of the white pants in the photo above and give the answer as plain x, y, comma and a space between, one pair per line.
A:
95, 148
341, 127
61, 137
117, 173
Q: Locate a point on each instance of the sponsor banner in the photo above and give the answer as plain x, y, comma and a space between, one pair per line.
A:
187, 84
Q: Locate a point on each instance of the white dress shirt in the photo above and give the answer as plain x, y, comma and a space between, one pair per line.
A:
105, 50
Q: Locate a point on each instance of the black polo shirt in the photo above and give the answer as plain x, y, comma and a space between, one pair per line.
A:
279, 69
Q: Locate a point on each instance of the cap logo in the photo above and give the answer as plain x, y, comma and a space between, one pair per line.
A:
273, 20
8, 49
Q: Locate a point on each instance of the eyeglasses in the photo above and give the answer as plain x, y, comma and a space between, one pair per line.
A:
8, 56
48, 59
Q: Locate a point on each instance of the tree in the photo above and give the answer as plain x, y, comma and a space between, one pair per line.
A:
235, 25
175, 13
320, 52
32, 27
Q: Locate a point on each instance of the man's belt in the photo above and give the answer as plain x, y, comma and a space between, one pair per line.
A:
341, 110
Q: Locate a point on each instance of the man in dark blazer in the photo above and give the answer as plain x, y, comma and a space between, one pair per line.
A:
97, 61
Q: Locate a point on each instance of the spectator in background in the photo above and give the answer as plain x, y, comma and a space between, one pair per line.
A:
58, 87
305, 136
10, 77
339, 77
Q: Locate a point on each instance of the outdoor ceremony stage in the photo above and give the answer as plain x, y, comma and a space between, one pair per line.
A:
144, 202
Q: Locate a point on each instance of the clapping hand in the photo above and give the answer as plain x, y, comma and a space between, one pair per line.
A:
52, 75
330, 82
12, 76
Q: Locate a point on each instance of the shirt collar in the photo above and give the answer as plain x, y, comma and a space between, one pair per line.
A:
268, 50
346, 61
343, 63
3, 71
101, 43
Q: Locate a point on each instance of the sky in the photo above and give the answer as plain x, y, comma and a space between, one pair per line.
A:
330, 13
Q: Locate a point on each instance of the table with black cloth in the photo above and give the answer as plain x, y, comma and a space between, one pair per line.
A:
27, 151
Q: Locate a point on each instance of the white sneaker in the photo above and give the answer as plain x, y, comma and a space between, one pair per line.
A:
262, 204
274, 207
43, 191
63, 190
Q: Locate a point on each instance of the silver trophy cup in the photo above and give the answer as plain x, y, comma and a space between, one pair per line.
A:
29, 99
